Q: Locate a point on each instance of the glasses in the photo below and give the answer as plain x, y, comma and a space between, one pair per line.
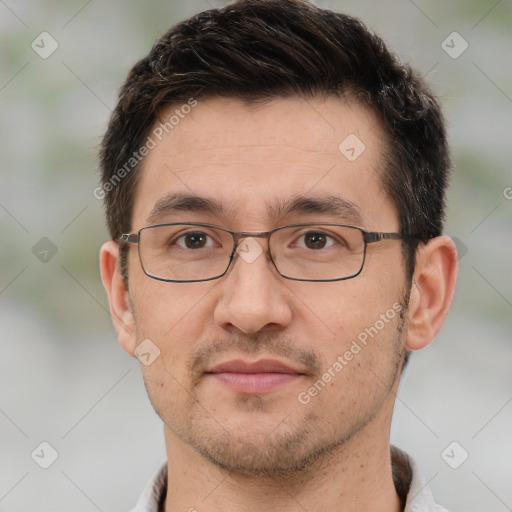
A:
189, 252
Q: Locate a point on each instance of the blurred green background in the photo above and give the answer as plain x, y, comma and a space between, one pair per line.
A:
63, 377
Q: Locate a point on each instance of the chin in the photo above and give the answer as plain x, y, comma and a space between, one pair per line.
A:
264, 449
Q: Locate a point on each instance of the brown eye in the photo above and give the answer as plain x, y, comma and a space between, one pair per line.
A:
315, 240
193, 240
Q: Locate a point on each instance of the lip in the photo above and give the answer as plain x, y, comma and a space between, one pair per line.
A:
261, 366
256, 377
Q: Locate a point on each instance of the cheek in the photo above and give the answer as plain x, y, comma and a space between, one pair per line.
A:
166, 309
360, 321
342, 307
173, 317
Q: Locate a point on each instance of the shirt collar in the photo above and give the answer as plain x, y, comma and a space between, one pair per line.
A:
153, 496
410, 484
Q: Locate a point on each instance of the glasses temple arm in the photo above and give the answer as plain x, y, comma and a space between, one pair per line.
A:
129, 238
377, 237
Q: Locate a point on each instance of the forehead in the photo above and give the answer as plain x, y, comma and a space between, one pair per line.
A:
251, 161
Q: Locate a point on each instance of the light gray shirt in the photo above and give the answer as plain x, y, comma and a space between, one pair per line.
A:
410, 485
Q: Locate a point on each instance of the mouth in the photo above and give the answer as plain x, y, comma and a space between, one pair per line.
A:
256, 377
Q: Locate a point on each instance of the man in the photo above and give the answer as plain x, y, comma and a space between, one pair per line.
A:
274, 181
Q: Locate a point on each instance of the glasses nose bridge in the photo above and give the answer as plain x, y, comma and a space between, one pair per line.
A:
242, 235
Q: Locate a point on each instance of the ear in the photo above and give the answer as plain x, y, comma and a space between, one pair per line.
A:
433, 286
118, 296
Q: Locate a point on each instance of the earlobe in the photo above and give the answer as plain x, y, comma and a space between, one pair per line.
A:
432, 290
118, 296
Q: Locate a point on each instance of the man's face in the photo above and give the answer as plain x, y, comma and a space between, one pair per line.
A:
253, 163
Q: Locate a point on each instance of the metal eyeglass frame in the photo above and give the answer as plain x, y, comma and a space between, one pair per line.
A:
368, 238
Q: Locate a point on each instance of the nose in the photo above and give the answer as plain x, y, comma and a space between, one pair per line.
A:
253, 296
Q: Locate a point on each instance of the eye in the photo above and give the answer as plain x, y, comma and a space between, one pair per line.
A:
194, 240
314, 240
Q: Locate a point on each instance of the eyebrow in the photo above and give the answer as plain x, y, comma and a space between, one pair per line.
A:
183, 202
333, 205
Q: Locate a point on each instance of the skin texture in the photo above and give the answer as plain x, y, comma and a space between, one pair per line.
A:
271, 451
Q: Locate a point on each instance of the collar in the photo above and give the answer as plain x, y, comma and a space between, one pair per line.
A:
410, 485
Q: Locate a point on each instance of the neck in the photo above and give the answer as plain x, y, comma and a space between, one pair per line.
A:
353, 477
